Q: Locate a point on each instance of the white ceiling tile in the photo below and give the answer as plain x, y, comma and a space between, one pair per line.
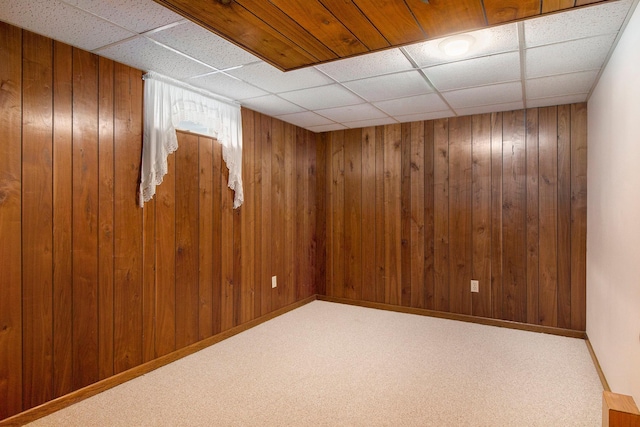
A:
305, 119
557, 100
563, 84
272, 105
578, 23
326, 128
203, 45
134, 15
485, 95
510, 106
323, 97
352, 113
390, 86
412, 105
62, 22
227, 86
373, 122
488, 41
424, 116
568, 57
475, 72
271, 79
373, 64
147, 55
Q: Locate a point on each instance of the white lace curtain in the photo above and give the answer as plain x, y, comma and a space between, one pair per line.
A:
167, 103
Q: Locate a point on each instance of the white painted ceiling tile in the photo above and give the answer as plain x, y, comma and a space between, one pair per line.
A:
62, 22
412, 105
373, 122
146, 55
605, 18
485, 95
390, 86
352, 113
557, 100
564, 84
360, 67
134, 15
305, 119
203, 45
568, 57
510, 106
424, 116
475, 72
326, 128
323, 97
488, 41
272, 105
271, 79
227, 86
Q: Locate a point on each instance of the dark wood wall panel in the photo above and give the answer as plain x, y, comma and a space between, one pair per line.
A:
93, 285
498, 198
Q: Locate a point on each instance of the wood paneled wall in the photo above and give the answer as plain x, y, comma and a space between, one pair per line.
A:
90, 284
412, 213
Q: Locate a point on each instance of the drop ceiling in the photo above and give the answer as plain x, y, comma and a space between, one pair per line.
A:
549, 60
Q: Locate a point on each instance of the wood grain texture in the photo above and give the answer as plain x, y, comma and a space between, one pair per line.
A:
496, 216
37, 224
429, 216
405, 215
392, 215
441, 215
368, 191
380, 227
205, 237
11, 326
556, 5
353, 214
353, 18
533, 214
439, 18
337, 214
498, 12
564, 215
401, 30
417, 215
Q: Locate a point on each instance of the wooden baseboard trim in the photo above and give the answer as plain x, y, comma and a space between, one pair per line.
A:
95, 388
461, 317
596, 363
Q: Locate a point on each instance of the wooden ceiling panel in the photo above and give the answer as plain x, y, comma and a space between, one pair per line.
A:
291, 34
500, 11
313, 16
442, 17
393, 19
353, 18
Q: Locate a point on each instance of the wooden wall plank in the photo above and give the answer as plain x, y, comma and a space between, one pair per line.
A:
299, 254
257, 198
227, 253
380, 226
11, 326
128, 220
429, 215
496, 215
321, 209
62, 227
368, 211
533, 216
265, 204
578, 215
460, 214
405, 214
564, 215
85, 218
237, 259
149, 281
289, 255
392, 214
37, 212
218, 279
205, 237
187, 293
337, 214
548, 172
311, 214
353, 214
417, 211
514, 296
481, 214
248, 218
441, 215
277, 213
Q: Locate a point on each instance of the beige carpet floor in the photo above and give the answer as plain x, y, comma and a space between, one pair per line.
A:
328, 364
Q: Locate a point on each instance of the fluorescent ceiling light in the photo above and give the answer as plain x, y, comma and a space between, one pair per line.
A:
456, 45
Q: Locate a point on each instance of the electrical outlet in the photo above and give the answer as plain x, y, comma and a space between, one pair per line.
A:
274, 282
475, 286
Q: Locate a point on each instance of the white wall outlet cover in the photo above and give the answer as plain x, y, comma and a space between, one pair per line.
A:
274, 282
475, 286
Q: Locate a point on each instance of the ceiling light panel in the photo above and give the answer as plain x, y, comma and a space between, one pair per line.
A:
322, 97
62, 22
373, 64
563, 84
475, 72
488, 41
272, 105
485, 95
412, 105
271, 79
135, 15
591, 21
203, 45
568, 57
390, 86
